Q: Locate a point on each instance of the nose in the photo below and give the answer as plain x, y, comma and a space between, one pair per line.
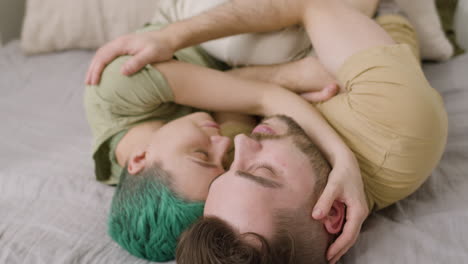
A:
220, 147
245, 148
243, 142
202, 116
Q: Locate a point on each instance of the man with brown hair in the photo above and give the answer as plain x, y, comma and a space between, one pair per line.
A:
261, 214
260, 210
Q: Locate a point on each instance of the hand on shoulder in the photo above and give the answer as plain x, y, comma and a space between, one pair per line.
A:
146, 47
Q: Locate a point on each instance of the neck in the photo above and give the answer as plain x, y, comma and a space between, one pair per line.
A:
137, 138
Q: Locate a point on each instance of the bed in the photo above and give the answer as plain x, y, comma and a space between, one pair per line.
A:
52, 210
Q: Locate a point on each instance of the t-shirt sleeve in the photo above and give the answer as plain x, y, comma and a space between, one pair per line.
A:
120, 101
138, 94
380, 65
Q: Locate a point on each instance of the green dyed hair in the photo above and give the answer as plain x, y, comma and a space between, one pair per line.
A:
147, 217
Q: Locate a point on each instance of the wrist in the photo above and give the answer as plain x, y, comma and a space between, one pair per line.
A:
174, 35
271, 97
342, 155
335, 149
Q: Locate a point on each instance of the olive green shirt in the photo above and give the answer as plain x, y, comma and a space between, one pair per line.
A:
120, 102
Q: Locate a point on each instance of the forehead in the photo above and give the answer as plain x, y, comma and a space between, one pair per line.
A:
241, 202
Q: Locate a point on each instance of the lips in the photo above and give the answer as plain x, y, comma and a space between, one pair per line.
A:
263, 129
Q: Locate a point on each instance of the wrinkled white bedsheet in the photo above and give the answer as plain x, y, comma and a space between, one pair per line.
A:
53, 211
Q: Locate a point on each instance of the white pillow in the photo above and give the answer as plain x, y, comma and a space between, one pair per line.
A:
425, 19
461, 22
53, 25
245, 49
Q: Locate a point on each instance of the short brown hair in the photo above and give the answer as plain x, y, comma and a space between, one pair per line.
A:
296, 241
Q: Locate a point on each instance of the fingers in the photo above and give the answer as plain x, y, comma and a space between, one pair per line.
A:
135, 63
355, 217
104, 56
101, 62
334, 257
325, 202
88, 74
323, 95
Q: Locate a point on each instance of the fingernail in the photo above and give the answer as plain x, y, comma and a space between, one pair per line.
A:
124, 69
317, 213
127, 69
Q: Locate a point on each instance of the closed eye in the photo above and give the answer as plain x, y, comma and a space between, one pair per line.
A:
266, 167
201, 154
205, 164
264, 182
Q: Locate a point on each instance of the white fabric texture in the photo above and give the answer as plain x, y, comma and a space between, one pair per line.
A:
425, 19
53, 25
245, 49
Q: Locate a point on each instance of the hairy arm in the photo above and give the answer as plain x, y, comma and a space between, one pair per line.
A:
235, 17
230, 18
242, 16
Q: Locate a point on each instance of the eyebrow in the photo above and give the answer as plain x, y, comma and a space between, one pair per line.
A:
259, 180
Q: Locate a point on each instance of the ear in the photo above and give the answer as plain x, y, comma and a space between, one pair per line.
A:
137, 162
333, 222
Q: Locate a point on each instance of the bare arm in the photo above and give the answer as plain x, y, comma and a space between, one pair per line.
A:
218, 91
333, 26
242, 16
337, 32
306, 77
235, 17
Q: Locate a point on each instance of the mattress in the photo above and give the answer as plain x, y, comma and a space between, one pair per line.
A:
52, 210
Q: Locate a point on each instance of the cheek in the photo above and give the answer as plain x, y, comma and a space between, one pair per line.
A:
211, 175
282, 155
196, 188
282, 161
296, 168
292, 160
203, 178
196, 138
189, 180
